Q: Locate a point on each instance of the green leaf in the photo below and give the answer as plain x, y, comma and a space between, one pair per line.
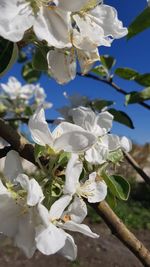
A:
136, 97
100, 104
22, 57
115, 156
111, 200
38, 151
100, 71
8, 55
143, 79
122, 117
108, 61
64, 158
141, 23
126, 73
30, 74
39, 60
118, 186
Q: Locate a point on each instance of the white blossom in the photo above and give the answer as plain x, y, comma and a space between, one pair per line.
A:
18, 201
66, 136
13, 89
99, 125
93, 189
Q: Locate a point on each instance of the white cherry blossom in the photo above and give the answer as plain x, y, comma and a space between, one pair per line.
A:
49, 23
93, 189
14, 89
99, 125
18, 201
66, 136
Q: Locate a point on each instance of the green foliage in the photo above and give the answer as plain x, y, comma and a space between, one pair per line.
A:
115, 156
30, 74
134, 214
118, 186
100, 71
22, 57
38, 151
122, 117
126, 73
136, 97
108, 61
8, 55
99, 104
141, 23
143, 79
39, 60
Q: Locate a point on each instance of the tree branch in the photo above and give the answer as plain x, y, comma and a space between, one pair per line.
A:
136, 166
26, 119
17, 141
26, 150
122, 233
113, 85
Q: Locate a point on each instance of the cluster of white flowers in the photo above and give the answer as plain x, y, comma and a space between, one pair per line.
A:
16, 97
32, 214
70, 28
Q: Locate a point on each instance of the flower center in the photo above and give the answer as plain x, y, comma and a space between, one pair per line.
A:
85, 190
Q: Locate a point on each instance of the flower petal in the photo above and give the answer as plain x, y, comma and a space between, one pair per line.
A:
69, 250
39, 128
50, 240
62, 65
97, 154
126, 144
71, 5
77, 210
87, 59
81, 228
34, 191
9, 212
98, 189
13, 165
58, 207
53, 25
73, 172
25, 236
104, 120
14, 24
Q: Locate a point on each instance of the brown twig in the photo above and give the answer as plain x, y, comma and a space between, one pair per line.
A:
136, 166
113, 85
122, 233
25, 120
26, 150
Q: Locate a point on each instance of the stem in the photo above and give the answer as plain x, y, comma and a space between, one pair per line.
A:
113, 85
122, 233
136, 166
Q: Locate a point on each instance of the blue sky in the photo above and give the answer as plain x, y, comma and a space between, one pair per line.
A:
134, 53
